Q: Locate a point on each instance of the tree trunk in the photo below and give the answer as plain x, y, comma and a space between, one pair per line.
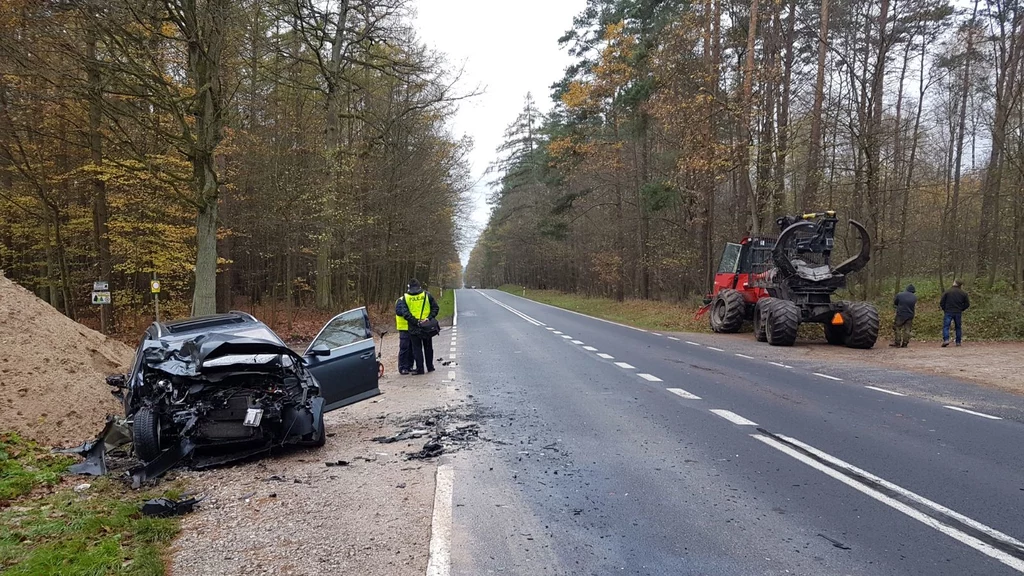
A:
101, 240
812, 174
746, 186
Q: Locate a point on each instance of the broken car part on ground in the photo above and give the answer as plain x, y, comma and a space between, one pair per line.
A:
215, 389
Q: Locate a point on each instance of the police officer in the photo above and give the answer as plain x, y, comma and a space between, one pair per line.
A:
416, 306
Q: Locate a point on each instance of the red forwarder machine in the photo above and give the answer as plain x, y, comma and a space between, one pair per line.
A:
779, 282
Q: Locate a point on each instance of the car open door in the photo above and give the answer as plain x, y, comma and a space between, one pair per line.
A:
343, 359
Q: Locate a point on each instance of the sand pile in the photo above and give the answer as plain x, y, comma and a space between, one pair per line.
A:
52, 371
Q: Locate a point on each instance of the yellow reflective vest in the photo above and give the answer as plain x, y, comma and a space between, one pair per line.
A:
419, 306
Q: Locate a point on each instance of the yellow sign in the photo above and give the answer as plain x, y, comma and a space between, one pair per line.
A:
154, 286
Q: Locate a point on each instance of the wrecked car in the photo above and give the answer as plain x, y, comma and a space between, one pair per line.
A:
219, 388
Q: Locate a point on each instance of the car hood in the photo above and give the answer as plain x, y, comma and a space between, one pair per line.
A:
188, 357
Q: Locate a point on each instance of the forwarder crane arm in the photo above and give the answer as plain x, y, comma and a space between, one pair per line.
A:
851, 265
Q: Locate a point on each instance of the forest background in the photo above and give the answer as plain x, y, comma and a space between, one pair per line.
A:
684, 125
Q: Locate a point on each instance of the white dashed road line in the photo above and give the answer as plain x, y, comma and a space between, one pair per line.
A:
827, 376
577, 342
550, 328
625, 366
590, 349
745, 356
605, 356
780, 365
693, 343
734, 418
673, 338
655, 333
908, 503
649, 377
557, 332
877, 389
683, 393
966, 411
566, 336
715, 349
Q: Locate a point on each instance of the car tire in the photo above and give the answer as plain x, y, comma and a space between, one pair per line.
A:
146, 434
321, 440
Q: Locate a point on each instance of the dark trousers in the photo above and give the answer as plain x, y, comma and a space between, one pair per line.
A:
951, 319
404, 351
422, 350
901, 330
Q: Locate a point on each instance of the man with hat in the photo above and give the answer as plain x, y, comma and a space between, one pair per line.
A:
414, 308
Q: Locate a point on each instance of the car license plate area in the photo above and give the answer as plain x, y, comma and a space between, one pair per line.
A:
253, 416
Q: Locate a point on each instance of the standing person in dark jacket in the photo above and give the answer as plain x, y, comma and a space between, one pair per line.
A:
414, 308
905, 303
954, 303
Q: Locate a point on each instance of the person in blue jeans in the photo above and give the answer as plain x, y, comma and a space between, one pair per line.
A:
954, 303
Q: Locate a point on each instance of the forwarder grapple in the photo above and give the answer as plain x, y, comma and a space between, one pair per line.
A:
779, 282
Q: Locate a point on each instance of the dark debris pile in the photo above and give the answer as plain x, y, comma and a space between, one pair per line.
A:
444, 435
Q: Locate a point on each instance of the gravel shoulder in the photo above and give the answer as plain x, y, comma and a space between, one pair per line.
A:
292, 514
990, 364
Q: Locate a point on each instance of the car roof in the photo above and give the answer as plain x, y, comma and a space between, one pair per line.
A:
234, 323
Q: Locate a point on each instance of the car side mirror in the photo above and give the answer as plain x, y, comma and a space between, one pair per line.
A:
320, 350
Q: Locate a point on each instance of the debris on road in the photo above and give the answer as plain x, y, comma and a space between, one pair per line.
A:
166, 507
835, 542
336, 463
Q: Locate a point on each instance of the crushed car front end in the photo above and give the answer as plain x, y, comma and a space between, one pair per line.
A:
216, 398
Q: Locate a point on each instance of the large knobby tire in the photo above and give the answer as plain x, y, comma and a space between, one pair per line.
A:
862, 325
728, 311
761, 311
146, 434
783, 323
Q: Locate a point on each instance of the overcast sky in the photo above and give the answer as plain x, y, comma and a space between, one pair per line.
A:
508, 49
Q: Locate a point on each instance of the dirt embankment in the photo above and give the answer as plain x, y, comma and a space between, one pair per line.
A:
52, 371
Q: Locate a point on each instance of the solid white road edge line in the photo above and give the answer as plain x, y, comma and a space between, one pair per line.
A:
734, 417
745, 356
533, 321
605, 356
683, 393
966, 411
440, 563
715, 349
827, 376
877, 389
578, 313
971, 541
590, 349
649, 377
625, 366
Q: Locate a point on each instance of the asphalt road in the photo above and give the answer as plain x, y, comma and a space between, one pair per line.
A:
611, 450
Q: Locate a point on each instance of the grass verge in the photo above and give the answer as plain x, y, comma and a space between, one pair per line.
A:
51, 529
649, 314
447, 304
995, 314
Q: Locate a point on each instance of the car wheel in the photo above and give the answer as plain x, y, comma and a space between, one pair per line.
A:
322, 438
146, 434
